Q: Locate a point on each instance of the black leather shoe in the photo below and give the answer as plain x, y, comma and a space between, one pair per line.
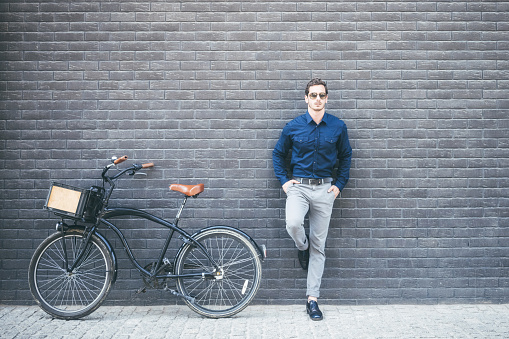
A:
304, 257
313, 310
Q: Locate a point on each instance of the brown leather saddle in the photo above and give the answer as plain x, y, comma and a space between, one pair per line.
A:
189, 190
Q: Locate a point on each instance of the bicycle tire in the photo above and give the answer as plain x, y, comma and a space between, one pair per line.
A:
72, 295
242, 273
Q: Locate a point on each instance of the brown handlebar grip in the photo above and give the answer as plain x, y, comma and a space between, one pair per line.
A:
120, 160
147, 165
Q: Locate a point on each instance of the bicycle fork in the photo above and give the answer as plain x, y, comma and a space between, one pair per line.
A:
82, 253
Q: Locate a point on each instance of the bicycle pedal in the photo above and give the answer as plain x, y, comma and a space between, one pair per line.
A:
141, 290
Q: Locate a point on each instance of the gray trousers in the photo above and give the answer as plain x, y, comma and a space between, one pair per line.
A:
313, 199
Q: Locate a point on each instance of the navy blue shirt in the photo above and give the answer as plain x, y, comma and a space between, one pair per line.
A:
315, 150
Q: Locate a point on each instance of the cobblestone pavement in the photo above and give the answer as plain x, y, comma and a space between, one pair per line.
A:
257, 321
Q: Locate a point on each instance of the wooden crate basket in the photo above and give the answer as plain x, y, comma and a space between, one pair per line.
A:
67, 200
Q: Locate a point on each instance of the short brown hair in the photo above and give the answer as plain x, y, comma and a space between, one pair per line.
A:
315, 82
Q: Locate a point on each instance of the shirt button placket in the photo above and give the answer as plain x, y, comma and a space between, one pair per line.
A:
315, 155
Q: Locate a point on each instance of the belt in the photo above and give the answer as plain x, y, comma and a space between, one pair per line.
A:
311, 181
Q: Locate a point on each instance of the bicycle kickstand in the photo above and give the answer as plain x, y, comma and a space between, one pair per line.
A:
176, 293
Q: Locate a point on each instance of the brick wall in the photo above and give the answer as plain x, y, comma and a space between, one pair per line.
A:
203, 89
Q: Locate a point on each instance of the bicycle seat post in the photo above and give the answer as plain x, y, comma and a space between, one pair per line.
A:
177, 217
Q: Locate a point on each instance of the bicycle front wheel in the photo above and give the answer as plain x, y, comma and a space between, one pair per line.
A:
70, 295
241, 270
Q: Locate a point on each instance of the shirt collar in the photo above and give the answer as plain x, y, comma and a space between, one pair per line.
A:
325, 118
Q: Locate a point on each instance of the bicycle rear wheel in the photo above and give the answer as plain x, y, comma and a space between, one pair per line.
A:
70, 295
241, 270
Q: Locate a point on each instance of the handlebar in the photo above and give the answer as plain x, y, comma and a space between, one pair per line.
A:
110, 179
133, 169
120, 160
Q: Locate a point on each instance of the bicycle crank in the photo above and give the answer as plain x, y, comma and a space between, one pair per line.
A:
152, 282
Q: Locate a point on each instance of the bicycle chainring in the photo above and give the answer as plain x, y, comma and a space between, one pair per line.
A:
155, 283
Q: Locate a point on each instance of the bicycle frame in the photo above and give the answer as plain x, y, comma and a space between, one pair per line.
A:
187, 238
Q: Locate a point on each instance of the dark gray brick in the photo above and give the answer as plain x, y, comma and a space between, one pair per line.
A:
204, 89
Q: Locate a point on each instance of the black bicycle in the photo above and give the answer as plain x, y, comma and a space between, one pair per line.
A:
217, 270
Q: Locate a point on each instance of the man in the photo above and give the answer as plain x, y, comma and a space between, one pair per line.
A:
318, 141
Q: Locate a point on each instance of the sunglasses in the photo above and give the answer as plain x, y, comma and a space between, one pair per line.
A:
314, 95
